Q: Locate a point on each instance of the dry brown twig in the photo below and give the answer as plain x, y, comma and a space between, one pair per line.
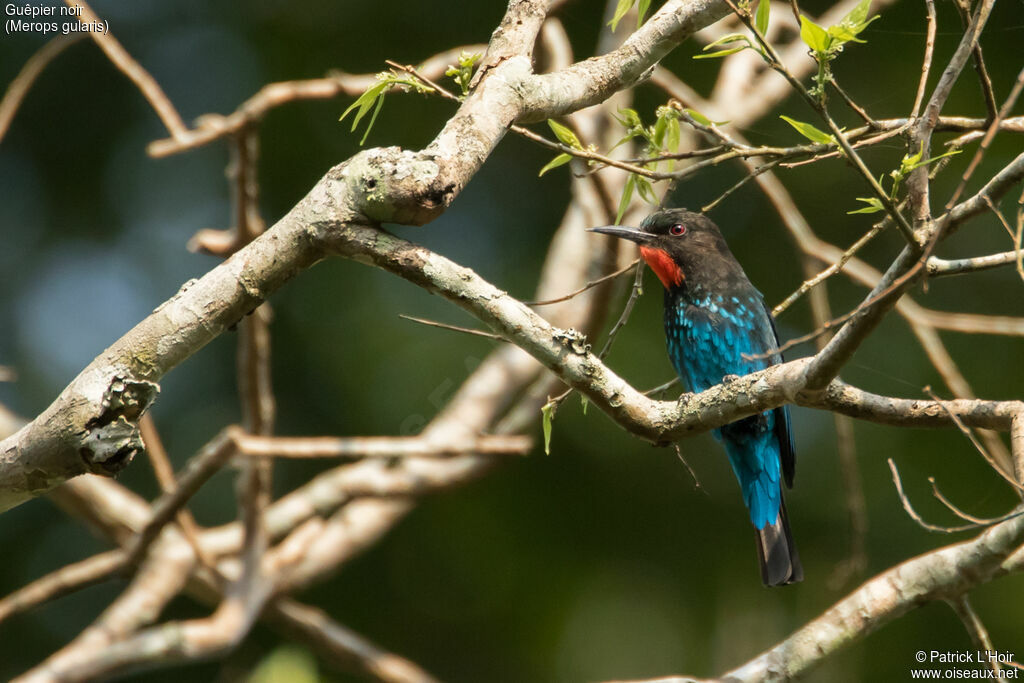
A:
127, 65
30, 71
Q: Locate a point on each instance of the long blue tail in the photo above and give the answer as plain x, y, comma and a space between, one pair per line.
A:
754, 453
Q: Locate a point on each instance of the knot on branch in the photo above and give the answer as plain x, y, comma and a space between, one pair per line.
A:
392, 185
112, 438
572, 339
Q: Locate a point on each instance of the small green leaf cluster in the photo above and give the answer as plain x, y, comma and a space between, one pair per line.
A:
909, 163
373, 98
462, 74
567, 138
662, 137
761, 18
624, 6
826, 44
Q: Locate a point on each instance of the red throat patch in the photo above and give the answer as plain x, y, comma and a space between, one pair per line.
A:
663, 266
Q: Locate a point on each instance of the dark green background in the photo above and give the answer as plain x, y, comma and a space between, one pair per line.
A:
600, 561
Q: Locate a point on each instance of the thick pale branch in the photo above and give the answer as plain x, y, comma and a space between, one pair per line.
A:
594, 80
390, 185
567, 353
944, 574
90, 427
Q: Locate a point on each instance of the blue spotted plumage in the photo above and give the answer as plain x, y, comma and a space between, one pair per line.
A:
710, 337
717, 325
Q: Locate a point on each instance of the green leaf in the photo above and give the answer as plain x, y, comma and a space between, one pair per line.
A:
627, 194
641, 12
629, 118
815, 36
463, 73
673, 135
842, 34
913, 161
547, 416
646, 190
874, 205
852, 24
858, 14
728, 38
698, 117
620, 11
565, 134
672, 146
761, 17
560, 160
721, 53
928, 161
660, 128
373, 118
625, 138
909, 160
584, 402
809, 131
365, 102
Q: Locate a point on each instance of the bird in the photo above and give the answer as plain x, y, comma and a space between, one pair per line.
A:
717, 326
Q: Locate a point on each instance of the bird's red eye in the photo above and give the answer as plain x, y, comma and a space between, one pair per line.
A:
677, 229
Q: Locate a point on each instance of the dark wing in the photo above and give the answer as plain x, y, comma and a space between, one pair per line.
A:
783, 428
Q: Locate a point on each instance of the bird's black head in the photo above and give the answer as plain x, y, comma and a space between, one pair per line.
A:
683, 249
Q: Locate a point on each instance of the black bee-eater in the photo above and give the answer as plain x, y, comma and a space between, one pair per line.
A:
717, 325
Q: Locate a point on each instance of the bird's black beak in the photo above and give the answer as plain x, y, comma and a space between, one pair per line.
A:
631, 234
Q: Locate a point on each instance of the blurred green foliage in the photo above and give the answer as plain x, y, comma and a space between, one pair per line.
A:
598, 561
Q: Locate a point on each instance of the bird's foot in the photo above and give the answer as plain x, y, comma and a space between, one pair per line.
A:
685, 396
730, 378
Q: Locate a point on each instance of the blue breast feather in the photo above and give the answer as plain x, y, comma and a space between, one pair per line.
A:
707, 340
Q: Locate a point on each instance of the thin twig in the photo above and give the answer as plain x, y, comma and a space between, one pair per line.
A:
775, 62
125, 63
976, 630
590, 285
990, 133
859, 110
831, 270
214, 126
634, 294
22, 83
66, 580
913, 514
679, 454
661, 388
341, 646
964, 9
967, 517
742, 181
453, 328
1008, 476
164, 473
926, 63
197, 472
